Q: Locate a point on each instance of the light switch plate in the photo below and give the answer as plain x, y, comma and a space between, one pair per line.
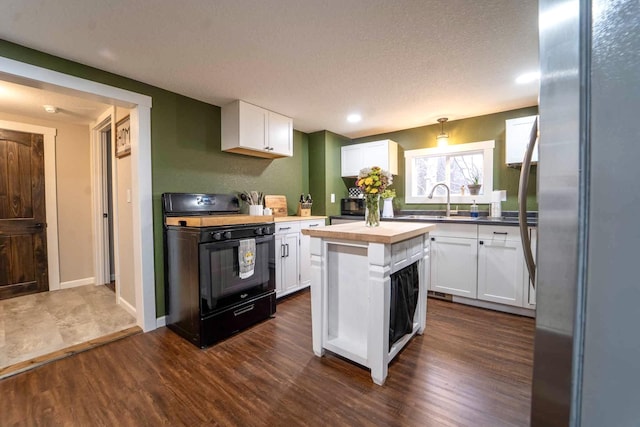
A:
333, 198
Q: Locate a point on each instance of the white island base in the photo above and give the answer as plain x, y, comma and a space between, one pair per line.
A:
351, 268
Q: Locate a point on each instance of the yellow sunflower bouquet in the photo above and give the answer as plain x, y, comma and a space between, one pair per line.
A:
372, 182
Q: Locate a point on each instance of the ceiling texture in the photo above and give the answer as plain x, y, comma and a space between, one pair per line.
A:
399, 63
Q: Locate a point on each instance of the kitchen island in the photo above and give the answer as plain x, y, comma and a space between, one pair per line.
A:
356, 275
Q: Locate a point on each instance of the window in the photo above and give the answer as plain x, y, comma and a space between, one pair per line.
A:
456, 166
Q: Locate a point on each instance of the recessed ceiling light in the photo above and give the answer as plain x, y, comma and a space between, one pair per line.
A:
525, 78
50, 109
354, 118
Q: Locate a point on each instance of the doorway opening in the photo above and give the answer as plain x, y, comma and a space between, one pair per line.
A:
106, 176
141, 299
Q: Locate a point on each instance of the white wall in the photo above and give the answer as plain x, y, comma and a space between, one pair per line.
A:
73, 175
124, 217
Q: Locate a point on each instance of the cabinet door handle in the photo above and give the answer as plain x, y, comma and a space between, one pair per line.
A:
501, 232
281, 251
287, 253
284, 228
433, 239
481, 242
313, 225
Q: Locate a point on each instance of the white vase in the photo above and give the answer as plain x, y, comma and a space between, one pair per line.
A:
387, 208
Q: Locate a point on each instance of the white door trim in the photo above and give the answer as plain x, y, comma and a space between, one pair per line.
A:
97, 174
101, 236
51, 203
140, 118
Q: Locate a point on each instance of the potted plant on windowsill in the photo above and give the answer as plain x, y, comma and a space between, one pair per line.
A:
474, 187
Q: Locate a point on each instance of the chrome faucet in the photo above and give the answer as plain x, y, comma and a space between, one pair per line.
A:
448, 195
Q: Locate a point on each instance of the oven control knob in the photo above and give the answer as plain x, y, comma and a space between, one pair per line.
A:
259, 231
267, 230
227, 234
216, 236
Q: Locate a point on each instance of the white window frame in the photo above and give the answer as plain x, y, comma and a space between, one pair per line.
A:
484, 147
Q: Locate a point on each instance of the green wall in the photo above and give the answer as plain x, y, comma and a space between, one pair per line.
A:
185, 148
481, 128
324, 172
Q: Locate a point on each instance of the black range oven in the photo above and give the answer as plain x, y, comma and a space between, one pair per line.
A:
207, 299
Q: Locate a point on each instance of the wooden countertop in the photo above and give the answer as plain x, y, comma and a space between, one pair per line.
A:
215, 220
297, 218
387, 232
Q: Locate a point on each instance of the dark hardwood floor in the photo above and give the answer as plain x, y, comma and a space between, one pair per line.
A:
472, 367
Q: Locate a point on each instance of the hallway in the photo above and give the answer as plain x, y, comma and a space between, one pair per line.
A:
44, 326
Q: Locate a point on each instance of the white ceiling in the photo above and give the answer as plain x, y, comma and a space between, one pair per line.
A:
400, 63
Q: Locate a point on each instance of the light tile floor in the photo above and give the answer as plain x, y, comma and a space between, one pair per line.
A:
38, 324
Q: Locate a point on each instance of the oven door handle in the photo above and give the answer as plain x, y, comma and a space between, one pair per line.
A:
236, 242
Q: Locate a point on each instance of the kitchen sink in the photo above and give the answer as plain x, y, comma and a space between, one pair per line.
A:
436, 217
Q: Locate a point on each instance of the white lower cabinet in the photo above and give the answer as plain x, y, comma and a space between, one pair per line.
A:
500, 265
529, 290
482, 263
305, 251
293, 255
287, 240
454, 259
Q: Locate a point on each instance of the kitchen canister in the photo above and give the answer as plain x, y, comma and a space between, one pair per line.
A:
256, 210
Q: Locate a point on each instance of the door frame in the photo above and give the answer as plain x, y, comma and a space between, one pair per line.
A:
98, 175
141, 197
50, 196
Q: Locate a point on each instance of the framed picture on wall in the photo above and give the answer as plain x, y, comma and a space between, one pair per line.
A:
123, 141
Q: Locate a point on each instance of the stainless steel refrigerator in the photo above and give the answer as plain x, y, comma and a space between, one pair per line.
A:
587, 344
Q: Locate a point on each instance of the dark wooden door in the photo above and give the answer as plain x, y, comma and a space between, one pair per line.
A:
23, 240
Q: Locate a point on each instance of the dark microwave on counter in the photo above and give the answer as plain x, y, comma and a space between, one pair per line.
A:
352, 207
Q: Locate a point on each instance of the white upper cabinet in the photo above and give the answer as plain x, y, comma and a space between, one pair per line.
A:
377, 153
518, 132
254, 131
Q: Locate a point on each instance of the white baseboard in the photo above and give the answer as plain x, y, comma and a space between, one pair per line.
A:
75, 283
130, 309
495, 306
161, 321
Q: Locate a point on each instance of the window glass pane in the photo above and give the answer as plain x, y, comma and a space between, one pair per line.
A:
464, 168
428, 172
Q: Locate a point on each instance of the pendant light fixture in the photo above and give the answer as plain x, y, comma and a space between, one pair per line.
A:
442, 138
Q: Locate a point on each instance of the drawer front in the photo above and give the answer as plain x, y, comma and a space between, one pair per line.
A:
406, 253
237, 318
312, 224
287, 227
469, 231
498, 232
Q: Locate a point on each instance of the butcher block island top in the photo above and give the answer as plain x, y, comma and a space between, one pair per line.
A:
388, 232
358, 274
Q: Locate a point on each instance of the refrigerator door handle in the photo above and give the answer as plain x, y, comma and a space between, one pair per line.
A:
522, 204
